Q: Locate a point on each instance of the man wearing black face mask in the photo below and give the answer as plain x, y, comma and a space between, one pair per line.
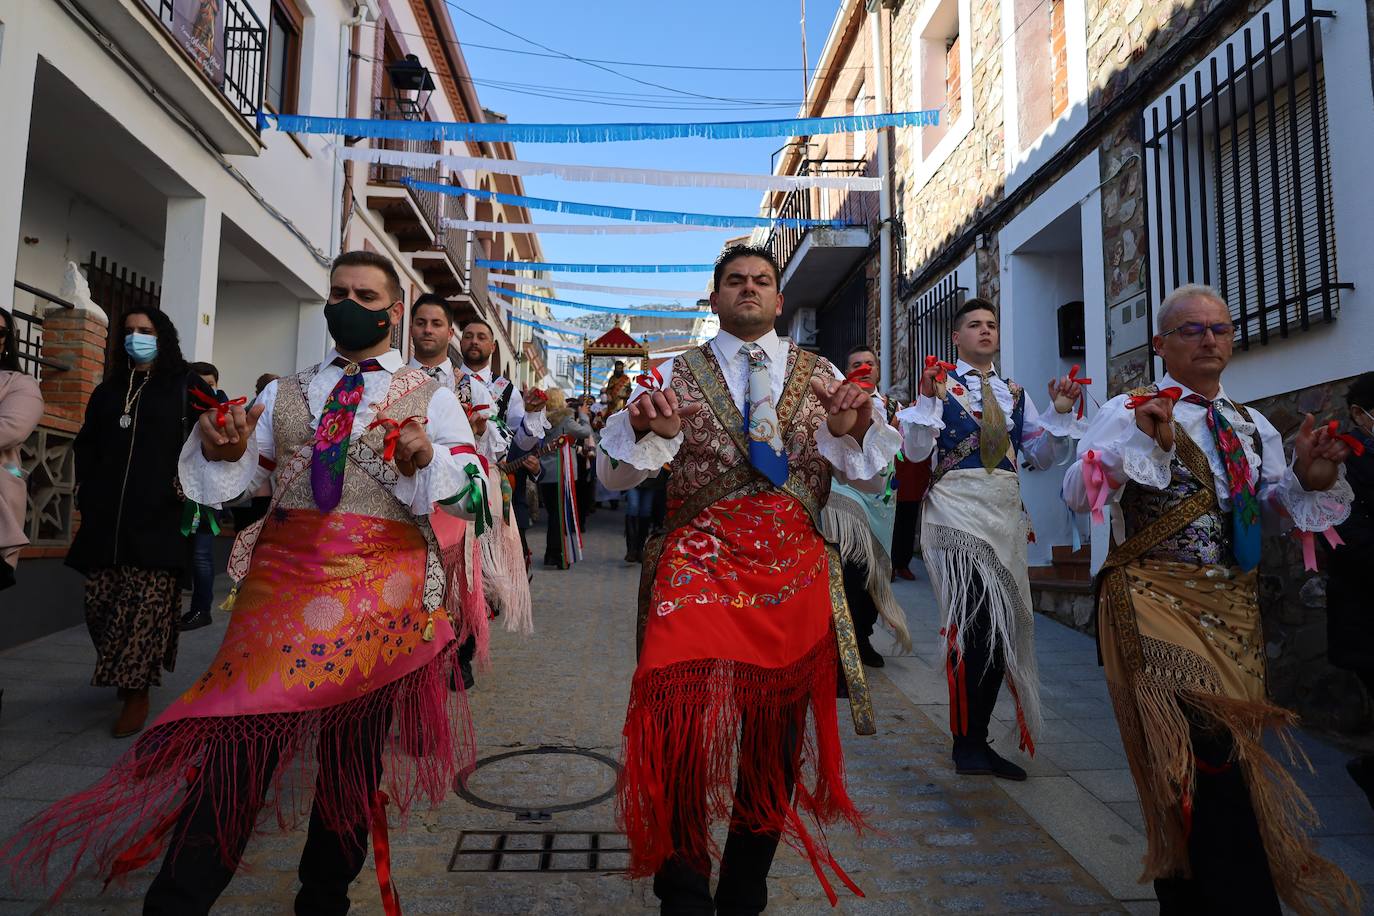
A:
339, 637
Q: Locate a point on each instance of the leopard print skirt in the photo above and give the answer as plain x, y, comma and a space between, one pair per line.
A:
131, 614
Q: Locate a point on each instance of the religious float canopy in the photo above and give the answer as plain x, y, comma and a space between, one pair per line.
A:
615, 344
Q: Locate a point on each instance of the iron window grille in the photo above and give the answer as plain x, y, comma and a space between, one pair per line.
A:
1238, 182
930, 323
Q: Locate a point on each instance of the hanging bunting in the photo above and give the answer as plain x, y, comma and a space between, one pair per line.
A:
685, 314
531, 322
590, 133
473, 225
632, 214
559, 267
531, 282
611, 175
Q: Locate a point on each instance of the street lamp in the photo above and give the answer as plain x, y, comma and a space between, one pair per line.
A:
409, 75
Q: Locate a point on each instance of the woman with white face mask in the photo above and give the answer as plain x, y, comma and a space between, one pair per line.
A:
130, 545
1349, 624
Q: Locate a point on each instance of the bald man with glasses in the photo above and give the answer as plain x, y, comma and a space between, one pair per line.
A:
1189, 476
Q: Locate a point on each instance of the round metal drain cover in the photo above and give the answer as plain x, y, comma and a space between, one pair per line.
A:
535, 783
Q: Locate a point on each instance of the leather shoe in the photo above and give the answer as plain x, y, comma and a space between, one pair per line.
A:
869, 655
904, 573
982, 760
194, 621
133, 715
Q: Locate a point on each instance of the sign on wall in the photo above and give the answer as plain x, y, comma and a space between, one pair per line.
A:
198, 26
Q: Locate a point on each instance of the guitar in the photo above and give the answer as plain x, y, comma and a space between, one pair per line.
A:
548, 448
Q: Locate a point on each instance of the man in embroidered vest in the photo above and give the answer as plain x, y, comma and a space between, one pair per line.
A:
974, 529
1189, 475
336, 663
524, 421
742, 602
859, 524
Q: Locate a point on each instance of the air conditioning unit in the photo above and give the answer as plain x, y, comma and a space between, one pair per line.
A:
803, 328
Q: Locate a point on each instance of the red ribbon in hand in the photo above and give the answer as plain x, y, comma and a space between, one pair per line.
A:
1082, 389
934, 361
393, 433
1356, 446
862, 376
473, 410
650, 381
221, 408
1172, 394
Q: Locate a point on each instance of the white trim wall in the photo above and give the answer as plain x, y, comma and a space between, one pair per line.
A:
1022, 163
929, 164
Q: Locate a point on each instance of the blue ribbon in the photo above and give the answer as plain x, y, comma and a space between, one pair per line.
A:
685, 314
490, 132
560, 267
631, 214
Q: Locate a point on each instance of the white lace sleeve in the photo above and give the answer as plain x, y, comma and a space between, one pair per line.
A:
1143, 460
213, 483
1315, 510
1062, 425
855, 463
647, 454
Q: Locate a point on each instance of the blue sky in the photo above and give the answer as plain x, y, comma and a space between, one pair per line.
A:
709, 33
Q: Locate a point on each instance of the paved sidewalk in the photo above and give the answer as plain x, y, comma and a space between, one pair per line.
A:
1062, 842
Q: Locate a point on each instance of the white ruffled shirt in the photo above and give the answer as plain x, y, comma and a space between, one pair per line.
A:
1127, 453
494, 443
529, 428
1044, 437
213, 483
860, 466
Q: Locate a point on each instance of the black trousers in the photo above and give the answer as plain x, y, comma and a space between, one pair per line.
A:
553, 538
908, 518
977, 676
683, 887
195, 872
1229, 866
861, 605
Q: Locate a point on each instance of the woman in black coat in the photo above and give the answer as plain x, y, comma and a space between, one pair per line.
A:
1349, 622
130, 545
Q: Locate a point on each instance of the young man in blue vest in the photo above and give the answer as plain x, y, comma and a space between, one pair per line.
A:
974, 529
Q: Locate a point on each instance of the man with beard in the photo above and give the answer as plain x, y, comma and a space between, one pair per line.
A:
742, 603
339, 637
525, 421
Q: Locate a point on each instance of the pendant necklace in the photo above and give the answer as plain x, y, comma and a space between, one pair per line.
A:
130, 398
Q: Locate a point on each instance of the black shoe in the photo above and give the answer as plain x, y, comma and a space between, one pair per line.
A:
1361, 769
194, 621
869, 655
468, 680
981, 760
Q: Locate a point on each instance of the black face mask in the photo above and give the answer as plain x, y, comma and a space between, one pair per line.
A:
354, 327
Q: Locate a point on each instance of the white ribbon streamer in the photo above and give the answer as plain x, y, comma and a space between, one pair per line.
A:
472, 225
610, 174
531, 283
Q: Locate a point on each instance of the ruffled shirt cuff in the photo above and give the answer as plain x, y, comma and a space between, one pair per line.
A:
857, 462
213, 483
1063, 425
648, 454
493, 444
441, 479
926, 411
1143, 460
1315, 510
537, 423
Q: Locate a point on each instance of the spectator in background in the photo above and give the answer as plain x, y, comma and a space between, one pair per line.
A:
21, 407
202, 538
1349, 626
571, 420
130, 546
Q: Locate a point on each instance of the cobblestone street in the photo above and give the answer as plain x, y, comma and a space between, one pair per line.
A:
534, 832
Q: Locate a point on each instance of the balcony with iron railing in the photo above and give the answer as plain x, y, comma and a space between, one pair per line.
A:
208, 59
422, 226
853, 208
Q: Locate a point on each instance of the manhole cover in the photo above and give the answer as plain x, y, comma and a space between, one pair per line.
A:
536, 783
539, 851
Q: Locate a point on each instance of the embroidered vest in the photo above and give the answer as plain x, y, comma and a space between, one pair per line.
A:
957, 444
711, 459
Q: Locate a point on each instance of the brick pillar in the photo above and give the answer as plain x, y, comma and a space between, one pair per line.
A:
75, 337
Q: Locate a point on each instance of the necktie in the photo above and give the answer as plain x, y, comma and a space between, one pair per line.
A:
435, 373
1245, 512
992, 439
334, 432
761, 419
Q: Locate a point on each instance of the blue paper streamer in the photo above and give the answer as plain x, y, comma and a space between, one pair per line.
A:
647, 313
558, 267
536, 324
630, 214
464, 131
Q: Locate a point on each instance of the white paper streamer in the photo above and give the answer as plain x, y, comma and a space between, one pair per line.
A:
609, 174
473, 225
528, 282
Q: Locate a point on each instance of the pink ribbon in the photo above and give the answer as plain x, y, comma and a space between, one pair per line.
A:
1309, 546
1097, 485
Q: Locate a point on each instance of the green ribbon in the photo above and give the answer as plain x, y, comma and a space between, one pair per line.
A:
614, 464
473, 498
890, 487
192, 513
